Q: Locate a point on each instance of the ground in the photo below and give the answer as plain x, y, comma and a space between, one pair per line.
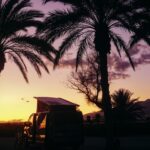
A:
95, 143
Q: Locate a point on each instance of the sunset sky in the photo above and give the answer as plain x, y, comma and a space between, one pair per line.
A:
16, 96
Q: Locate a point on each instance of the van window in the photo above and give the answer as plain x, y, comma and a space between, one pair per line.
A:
31, 119
41, 123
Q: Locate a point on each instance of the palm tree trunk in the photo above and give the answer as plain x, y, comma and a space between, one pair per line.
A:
102, 47
106, 100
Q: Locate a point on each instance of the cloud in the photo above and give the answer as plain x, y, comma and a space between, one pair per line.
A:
64, 63
118, 67
145, 58
117, 64
140, 55
67, 63
117, 75
135, 50
70, 63
138, 49
121, 66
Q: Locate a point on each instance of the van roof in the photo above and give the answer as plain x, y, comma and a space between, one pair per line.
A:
51, 101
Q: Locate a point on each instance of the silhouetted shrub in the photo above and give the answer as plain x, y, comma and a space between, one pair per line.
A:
120, 129
9, 129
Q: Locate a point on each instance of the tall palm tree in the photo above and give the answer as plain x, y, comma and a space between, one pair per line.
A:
93, 23
15, 44
125, 107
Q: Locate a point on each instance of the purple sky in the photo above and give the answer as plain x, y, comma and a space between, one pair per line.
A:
14, 105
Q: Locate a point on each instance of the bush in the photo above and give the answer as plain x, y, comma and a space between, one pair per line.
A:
120, 129
9, 129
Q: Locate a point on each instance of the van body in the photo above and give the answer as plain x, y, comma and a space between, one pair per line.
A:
60, 127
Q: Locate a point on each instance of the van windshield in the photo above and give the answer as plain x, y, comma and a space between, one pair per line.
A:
41, 123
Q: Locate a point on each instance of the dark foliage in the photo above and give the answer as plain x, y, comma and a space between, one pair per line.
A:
124, 129
15, 19
125, 107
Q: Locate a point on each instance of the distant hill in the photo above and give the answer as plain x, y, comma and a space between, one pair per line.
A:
93, 115
146, 107
145, 104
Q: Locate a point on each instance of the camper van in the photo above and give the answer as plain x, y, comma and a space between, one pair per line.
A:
52, 126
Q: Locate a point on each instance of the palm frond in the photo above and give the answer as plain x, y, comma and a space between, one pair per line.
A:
60, 22
67, 44
6, 8
37, 44
35, 61
115, 41
11, 28
21, 5
82, 48
71, 2
33, 58
20, 20
16, 16
20, 66
122, 100
125, 23
16, 53
147, 39
142, 33
2, 60
122, 45
136, 38
124, 7
59, 17
141, 4
12, 10
120, 26
130, 59
127, 15
27, 15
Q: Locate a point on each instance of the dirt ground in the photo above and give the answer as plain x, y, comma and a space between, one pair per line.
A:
95, 143
7, 143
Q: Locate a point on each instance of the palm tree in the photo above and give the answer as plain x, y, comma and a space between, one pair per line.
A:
93, 24
125, 107
15, 44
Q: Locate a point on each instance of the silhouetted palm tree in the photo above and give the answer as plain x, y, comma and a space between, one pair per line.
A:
93, 23
15, 18
125, 107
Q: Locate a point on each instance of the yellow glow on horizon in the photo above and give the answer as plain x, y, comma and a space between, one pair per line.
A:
14, 92
16, 96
